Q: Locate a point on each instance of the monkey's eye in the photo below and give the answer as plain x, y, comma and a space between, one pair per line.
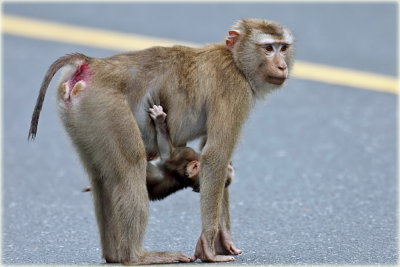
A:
268, 48
284, 48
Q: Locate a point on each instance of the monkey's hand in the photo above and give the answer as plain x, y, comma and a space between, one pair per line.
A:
224, 244
157, 113
205, 253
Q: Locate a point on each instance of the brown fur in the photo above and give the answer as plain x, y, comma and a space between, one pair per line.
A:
172, 175
205, 91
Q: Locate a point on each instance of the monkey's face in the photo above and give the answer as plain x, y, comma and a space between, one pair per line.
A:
184, 161
274, 53
263, 50
275, 67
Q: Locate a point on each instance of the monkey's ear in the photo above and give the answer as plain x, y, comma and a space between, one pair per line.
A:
233, 37
193, 169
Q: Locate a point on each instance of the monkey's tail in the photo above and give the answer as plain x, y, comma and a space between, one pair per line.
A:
56, 66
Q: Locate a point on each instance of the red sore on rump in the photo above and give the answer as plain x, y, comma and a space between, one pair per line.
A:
82, 73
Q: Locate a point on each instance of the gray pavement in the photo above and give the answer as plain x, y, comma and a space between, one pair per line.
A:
316, 165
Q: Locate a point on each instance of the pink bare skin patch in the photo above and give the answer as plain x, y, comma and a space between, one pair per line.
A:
82, 73
76, 83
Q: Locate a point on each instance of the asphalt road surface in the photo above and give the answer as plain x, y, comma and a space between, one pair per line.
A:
316, 164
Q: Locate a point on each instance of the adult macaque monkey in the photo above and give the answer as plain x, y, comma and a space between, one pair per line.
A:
205, 91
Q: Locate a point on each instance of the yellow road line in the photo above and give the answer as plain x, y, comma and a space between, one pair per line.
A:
52, 31
347, 77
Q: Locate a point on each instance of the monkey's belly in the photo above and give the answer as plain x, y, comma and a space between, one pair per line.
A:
190, 127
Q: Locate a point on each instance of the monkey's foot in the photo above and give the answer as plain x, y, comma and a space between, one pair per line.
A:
158, 258
205, 254
224, 244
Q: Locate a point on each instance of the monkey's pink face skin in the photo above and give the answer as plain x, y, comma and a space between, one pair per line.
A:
276, 71
275, 56
273, 72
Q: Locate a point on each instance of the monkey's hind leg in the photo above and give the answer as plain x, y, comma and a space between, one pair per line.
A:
110, 144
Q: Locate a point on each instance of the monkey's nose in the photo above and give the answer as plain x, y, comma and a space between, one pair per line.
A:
282, 67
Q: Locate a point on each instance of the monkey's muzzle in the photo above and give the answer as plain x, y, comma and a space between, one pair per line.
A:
276, 80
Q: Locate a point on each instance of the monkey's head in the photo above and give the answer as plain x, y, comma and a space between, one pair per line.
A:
185, 162
263, 50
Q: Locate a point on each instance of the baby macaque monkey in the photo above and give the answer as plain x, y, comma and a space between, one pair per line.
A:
177, 168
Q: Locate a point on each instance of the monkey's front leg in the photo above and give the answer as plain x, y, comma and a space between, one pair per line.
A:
224, 121
223, 241
211, 196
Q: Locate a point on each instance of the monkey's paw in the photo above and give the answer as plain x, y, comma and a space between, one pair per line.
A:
157, 113
224, 244
203, 252
158, 258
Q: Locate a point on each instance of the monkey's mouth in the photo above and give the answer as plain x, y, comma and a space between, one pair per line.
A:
276, 80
